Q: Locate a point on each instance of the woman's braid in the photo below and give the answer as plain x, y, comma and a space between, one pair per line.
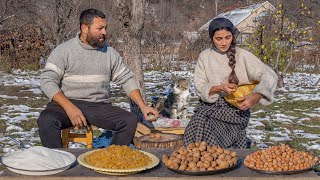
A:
232, 63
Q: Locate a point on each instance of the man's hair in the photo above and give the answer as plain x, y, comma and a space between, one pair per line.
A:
86, 16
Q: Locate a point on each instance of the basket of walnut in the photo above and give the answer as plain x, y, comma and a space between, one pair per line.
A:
281, 160
200, 159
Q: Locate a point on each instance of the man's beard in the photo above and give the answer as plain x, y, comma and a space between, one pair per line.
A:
95, 41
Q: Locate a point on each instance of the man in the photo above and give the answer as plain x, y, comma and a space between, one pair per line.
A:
77, 79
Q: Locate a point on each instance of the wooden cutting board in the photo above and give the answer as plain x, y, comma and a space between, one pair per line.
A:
166, 140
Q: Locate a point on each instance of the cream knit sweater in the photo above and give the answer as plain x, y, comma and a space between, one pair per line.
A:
212, 69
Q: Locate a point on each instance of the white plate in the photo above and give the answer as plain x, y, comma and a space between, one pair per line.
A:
42, 172
154, 162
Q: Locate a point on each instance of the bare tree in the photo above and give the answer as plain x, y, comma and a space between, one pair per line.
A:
56, 18
158, 40
12, 12
131, 15
59, 19
5, 18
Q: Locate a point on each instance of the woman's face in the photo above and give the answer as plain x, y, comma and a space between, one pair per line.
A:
222, 40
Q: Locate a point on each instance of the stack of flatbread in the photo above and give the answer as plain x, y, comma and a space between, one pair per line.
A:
38, 159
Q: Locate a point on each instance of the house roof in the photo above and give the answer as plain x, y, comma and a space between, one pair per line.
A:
236, 16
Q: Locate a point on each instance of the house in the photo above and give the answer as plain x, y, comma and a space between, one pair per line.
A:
246, 19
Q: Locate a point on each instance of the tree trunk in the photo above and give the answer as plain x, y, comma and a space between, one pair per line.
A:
216, 9
131, 15
280, 83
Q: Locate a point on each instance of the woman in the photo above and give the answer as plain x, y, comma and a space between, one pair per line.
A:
218, 72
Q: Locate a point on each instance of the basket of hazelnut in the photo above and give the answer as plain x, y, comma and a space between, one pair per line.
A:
281, 160
200, 159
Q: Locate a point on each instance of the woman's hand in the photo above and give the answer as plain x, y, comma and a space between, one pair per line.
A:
248, 101
228, 88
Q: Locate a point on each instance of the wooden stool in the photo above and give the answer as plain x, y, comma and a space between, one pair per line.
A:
68, 136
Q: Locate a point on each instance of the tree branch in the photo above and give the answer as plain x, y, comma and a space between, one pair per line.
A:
6, 18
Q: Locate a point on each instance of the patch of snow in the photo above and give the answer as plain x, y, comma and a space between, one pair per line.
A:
311, 136
257, 112
21, 108
298, 131
254, 124
304, 97
311, 114
316, 147
12, 127
301, 134
257, 136
23, 117
267, 118
279, 131
4, 117
77, 145
283, 118
123, 105
275, 139
300, 122
262, 146
8, 97
34, 90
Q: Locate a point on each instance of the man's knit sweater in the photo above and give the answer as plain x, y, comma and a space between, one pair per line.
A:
82, 72
212, 69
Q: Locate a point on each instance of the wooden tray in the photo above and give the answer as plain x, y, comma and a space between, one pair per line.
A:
167, 140
280, 172
154, 162
211, 172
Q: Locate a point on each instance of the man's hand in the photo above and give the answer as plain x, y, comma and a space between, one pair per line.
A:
147, 111
248, 101
76, 117
74, 113
135, 95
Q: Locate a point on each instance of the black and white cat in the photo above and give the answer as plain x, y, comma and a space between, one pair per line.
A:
176, 104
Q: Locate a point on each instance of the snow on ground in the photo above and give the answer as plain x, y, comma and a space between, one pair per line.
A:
300, 87
265, 126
